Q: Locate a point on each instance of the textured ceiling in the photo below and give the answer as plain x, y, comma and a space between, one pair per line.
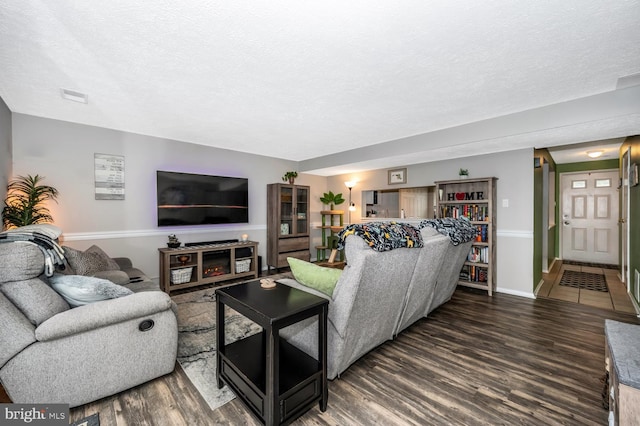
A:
299, 80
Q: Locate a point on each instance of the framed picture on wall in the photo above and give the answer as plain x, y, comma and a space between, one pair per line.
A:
397, 176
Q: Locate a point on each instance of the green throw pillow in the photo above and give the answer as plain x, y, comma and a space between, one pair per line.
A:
317, 277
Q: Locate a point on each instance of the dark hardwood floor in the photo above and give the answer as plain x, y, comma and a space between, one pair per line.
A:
476, 360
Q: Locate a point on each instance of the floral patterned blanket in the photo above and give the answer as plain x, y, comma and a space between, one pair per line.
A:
383, 236
458, 230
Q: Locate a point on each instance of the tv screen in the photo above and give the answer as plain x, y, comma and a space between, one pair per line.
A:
193, 199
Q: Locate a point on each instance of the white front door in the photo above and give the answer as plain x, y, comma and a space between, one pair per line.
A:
590, 216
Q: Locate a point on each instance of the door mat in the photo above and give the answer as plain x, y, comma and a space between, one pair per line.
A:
592, 264
584, 280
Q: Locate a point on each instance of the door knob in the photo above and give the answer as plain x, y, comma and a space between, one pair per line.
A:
566, 222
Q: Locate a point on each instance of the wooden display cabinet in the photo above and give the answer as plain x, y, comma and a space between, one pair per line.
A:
287, 223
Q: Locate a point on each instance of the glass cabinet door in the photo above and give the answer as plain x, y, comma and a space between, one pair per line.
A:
302, 210
286, 210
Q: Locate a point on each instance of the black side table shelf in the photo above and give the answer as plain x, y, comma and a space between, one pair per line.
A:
277, 381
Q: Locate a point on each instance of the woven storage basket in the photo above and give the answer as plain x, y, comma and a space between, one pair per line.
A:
243, 265
181, 276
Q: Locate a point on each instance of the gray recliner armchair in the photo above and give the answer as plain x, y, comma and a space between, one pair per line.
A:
52, 353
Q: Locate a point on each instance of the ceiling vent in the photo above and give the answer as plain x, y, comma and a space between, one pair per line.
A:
72, 95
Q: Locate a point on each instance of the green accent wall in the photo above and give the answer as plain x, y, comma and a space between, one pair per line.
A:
633, 144
584, 166
541, 156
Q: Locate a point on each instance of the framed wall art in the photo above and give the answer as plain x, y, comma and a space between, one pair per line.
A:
397, 176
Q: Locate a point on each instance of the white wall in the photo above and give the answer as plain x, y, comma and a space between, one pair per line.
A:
64, 153
5, 150
514, 170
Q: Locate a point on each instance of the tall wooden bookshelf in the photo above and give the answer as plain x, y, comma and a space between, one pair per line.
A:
475, 199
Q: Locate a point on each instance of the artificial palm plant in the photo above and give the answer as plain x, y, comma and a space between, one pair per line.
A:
331, 199
25, 202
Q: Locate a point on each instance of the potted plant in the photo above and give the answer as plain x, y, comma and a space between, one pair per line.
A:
290, 176
25, 202
464, 173
331, 199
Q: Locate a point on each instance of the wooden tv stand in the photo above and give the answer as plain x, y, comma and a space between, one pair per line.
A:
185, 267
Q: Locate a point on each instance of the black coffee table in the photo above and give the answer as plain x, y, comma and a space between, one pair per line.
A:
275, 379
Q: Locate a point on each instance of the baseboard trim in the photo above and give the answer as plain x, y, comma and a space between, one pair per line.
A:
528, 295
635, 304
535, 292
553, 263
141, 233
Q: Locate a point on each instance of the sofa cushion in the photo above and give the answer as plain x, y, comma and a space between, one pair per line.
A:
20, 261
80, 290
317, 277
90, 261
35, 299
116, 277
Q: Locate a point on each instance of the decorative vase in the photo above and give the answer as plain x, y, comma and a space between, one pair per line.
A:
292, 180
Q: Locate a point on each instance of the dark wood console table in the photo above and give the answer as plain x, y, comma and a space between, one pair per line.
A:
277, 381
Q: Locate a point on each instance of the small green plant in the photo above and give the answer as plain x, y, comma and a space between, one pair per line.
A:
25, 202
331, 199
463, 172
290, 176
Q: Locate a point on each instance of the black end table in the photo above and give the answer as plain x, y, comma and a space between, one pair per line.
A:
275, 379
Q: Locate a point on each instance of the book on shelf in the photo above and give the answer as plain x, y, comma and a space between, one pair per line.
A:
481, 237
478, 255
473, 273
473, 212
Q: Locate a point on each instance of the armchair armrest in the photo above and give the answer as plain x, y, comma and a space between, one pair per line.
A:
117, 277
102, 314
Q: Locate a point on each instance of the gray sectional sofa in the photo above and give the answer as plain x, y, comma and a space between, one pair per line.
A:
379, 294
53, 353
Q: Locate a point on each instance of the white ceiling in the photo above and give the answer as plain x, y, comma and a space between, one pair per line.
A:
302, 80
579, 152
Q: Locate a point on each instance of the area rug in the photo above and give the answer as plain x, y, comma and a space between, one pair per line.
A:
584, 280
197, 340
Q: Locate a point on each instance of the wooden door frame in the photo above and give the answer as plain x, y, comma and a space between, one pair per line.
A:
625, 273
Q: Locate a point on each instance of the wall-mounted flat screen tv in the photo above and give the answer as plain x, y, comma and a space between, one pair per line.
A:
193, 199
